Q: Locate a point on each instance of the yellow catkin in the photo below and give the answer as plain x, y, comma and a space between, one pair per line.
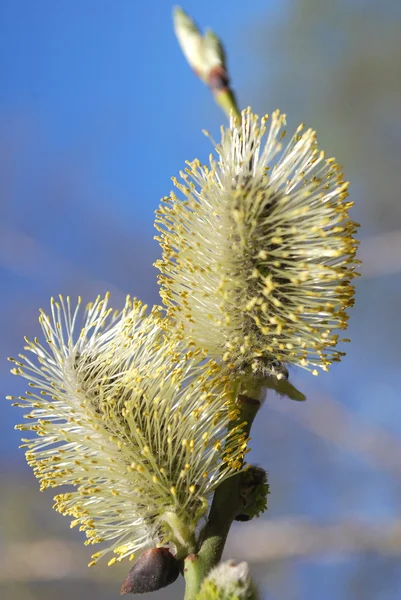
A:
115, 414
262, 236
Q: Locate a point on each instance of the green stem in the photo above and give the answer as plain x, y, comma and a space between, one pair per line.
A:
192, 576
226, 503
226, 100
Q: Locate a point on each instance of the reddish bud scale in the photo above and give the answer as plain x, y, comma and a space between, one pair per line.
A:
154, 569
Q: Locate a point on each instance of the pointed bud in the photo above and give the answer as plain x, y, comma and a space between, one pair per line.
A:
203, 53
154, 569
228, 581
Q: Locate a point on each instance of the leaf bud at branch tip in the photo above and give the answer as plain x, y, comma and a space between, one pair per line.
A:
205, 55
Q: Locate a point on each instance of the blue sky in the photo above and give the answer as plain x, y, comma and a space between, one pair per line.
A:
104, 84
98, 110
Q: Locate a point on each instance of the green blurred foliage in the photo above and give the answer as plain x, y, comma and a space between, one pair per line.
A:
337, 65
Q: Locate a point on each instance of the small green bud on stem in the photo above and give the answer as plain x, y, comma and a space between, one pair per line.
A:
228, 581
254, 490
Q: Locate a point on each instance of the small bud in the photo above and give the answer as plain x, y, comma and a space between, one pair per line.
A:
154, 569
228, 580
204, 53
254, 490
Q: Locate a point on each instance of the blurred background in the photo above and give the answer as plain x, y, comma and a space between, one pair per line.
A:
98, 109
